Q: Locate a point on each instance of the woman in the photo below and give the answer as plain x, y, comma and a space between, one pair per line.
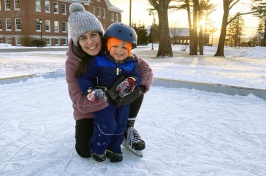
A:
79, 53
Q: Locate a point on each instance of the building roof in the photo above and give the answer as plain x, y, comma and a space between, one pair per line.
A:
113, 8
110, 6
184, 32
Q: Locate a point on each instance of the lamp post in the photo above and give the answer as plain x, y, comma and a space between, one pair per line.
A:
153, 22
40, 21
130, 6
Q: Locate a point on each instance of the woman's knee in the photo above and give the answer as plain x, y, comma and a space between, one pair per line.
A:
83, 149
83, 134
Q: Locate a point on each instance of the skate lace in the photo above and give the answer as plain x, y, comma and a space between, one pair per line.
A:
133, 137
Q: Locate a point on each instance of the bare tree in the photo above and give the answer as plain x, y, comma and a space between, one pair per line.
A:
205, 9
165, 48
259, 10
235, 31
200, 9
227, 6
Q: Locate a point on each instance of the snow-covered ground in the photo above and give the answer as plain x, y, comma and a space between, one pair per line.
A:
187, 132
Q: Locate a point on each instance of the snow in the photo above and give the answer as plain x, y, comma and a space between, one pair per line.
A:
187, 132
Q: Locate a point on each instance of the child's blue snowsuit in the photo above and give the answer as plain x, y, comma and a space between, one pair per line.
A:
110, 122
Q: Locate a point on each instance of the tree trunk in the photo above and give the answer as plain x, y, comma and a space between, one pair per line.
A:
220, 48
264, 33
190, 27
201, 41
195, 27
165, 47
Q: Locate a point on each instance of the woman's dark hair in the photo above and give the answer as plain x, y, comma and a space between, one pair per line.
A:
85, 58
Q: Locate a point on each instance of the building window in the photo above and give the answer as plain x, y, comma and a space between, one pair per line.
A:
57, 41
17, 5
64, 9
7, 4
38, 25
104, 13
47, 26
64, 42
48, 41
56, 26
112, 17
18, 41
8, 40
18, 24
1, 40
56, 7
8, 24
1, 26
116, 17
93, 10
47, 5
38, 5
98, 12
64, 26
0, 6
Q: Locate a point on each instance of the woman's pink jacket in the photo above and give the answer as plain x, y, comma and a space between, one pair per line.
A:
82, 107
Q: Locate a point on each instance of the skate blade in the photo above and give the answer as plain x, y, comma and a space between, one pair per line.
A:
138, 153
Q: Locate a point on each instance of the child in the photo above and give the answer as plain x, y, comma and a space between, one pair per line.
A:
110, 122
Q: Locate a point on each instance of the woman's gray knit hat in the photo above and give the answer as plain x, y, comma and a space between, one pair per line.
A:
81, 21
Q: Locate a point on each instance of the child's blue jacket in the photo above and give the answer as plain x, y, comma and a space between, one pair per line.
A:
107, 71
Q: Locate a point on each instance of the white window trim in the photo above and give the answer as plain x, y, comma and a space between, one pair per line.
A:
16, 39
58, 41
64, 31
49, 6
58, 27
7, 38
15, 5
50, 40
98, 12
10, 24
64, 5
47, 25
16, 24
104, 13
9, 5
65, 39
1, 24
57, 8
40, 7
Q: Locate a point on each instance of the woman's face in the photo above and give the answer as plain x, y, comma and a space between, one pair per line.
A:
91, 43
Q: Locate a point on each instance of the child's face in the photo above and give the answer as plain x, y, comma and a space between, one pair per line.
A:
91, 43
119, 52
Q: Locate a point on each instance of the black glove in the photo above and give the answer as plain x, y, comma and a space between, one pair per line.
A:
95, 95
129, 98
126, 87
113, 94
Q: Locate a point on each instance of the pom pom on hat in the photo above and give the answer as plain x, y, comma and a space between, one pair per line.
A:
81, 21
112, 41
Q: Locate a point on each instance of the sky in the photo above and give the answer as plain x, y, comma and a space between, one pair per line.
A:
187, 131
140, 14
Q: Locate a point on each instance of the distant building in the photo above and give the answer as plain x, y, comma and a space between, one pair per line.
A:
22, 21
181, 36
259, 39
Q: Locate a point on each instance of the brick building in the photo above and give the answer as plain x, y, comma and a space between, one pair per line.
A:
22, 21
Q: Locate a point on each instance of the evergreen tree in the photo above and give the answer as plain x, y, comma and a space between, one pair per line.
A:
141, 32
